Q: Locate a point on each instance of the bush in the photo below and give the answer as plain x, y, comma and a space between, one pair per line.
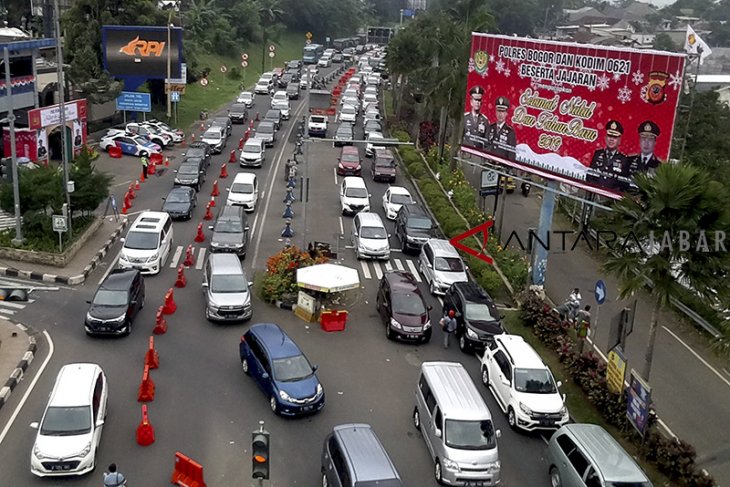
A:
280, 280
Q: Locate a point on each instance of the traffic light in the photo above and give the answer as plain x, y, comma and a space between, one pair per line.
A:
14, 294
260, 458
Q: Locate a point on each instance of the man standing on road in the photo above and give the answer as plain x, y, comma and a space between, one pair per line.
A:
114, 478
582, 326
448, 325
145, 163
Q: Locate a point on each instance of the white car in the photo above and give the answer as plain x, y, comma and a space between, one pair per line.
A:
372, 144
350, 92
247, 98
216, 138
304, 81
370, 101
348, 113
263, 87
280, 101
324, 62
151, 133
522, 385
371, 113
371, 89
244, 191
134, 145
393, 199
350, 100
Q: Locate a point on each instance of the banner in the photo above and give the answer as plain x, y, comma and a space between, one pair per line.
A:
590, 116
141, 51
51, 115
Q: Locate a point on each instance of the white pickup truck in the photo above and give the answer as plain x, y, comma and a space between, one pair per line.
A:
317, 126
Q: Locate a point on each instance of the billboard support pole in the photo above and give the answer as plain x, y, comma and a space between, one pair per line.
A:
539, 263
62, 108
693, 89
18, 240
169, 67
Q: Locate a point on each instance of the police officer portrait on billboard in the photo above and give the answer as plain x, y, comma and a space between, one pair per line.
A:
646, 160
607, 164
476, 124
501, 136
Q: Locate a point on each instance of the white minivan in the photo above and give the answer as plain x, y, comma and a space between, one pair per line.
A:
70, 430
253, 153
244, 191
148, 243
354, 195
369, 236
441, 265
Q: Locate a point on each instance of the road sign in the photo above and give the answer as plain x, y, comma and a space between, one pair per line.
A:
60, 223
183, 76
133, 101
639, 402
244, 64
308, 41
600, 292
308, 35
272, 48
615, 371
224, 69
244, 56
204, 81
489, 182
175, 97
175, 88
272, 54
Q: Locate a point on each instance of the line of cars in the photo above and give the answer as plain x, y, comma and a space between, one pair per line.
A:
141, 138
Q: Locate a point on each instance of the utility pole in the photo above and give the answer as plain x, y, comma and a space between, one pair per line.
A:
169, 67
62, 108
18, 240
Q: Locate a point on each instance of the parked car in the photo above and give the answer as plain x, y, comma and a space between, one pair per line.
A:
116, 303
134, 145
477, 317
180, 202
383, 166
281, 370
274, 116
226, 289
199, 150
216, 138
266, 131
177, 134
523, 385
402, 307
150, 133
413, 227
225, 123
247, 98
190, 173
239, 112
344, 135
393, 199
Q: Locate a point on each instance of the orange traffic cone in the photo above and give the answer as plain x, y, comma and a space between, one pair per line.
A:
167, 162
240, 143
212, 202
170, 306
136, 185
224, 172
208, 213
146, 392
250, 124
189, 257
145, 431
141, 176
131, 191
200, 236
160, 323
181, 281
216, 191
151, 168
151, 358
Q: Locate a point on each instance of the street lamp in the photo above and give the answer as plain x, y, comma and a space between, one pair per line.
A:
169, 67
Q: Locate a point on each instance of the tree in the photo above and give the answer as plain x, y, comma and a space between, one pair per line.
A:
92, 186
681, 200
270, 12
663, 42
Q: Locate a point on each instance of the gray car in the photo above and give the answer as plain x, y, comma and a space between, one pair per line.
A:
273, 116
226, 289
230, 232
266, 131
190, 174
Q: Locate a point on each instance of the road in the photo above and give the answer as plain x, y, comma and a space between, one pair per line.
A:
683, 367
204, 405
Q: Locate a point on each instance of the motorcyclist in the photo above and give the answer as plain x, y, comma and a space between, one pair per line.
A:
570, 307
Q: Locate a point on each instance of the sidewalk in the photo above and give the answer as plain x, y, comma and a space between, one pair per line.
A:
17, 349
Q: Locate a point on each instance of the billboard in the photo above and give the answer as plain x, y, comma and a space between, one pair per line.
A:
141, 51
587, 115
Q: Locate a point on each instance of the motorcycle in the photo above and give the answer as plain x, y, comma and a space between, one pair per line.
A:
569, 309
525, 187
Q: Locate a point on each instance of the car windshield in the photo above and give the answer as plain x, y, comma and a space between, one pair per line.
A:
188, 169
292, 369
378, 233
213, 135
419, 223
348, 109
356, 193
178, 197
246, 96
228, 283
408, 304
66, 421
252, 148
400, 199
265, 128
110, 297
280, 97
479, 312
228, 226
317, 119
384, 162
141, 140
470, 435
449, 264
534, 381
142, 240
351, 158
242, 188
344, 131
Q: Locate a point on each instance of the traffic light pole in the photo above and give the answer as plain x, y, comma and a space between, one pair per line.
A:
260, 444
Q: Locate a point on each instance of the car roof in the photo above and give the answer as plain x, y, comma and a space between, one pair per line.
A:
181, 189
273, 111
254, 141
369, 219
230, 211
276, 342
402, 282
354, 181
150, 220
521, 354
74, 385
198, 145
368, 457
350, 150
244, 177
223, 263
442, 247
399, 190
265, 123
455, 392
238, 105
472, 291
119, 279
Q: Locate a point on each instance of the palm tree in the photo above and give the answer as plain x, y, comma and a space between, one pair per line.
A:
681, 200
269, 12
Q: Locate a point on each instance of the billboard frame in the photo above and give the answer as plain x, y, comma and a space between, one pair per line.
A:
176, 51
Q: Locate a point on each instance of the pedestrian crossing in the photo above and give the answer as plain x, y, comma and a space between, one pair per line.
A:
178, 257
380, 268
10, 309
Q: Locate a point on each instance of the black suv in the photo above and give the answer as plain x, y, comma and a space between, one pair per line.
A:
274, 116
477, 317
199, 150
413, 227
190, 173
238, 113
116, 303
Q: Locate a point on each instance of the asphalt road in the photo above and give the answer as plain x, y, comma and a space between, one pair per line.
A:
205, 407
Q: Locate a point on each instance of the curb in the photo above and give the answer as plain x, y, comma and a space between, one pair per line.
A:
17, 375
72, 280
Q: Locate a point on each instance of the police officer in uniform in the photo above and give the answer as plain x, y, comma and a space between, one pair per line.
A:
646, 160
608, 163
501, 136
475, 123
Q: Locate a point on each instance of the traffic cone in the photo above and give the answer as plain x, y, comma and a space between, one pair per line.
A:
141, 176
170, 306
208, 213
160, 323
288, 212
124, 207
152, 358
189, 257
200, 236
216, 191
167, 162
151, 168
146, 391
131, 191
181, 281
246, 135
127, 200
224, 172
232, 158
287, 232
202, 127
145, 431
192, 137
212, 202
136, 185
240, 143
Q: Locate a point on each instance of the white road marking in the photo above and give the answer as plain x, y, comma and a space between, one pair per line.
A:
365, 269
378, 270
399, 264
10, 422
199, 260
111, 267
255, 221
176, 256
414, 271
342, 227
704, 362
8, 312
125, 183
10, 304
441, 300
388, 266
334, 170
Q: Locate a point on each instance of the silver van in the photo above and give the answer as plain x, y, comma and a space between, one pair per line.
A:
353, 456
441, 265
456, 426
226, 288
369, 237
585, 455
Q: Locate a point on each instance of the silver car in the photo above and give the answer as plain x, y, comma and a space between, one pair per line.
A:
227, 289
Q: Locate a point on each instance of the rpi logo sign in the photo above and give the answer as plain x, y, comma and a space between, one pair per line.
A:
482, 253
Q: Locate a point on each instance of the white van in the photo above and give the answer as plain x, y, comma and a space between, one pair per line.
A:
70, 430
253, 153
244, 191
441, 265
354, 195
148, 243
456, 425
369, 237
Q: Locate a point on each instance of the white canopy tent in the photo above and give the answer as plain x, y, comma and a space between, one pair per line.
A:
328, 278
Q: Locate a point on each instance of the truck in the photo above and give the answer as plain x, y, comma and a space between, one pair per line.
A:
321, 103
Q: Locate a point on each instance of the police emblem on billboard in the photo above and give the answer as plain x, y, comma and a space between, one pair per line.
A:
481, 61
655, 93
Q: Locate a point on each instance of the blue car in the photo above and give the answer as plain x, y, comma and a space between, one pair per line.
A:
281, 370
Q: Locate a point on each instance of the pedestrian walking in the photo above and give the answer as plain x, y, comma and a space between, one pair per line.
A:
448, 325
145, 164
113, 478
583, 326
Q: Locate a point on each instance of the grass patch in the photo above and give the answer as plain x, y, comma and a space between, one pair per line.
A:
223, 87
46, 240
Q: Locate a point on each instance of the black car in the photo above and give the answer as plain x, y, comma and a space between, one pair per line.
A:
199, 150
238, 113
477, 317
274, 116
402, 308
116, 303
190, 173
179, 202
285, 79
293, 91
413, 227
337, 58
344, 135
230, 232
223, 122
295, 64
296, 75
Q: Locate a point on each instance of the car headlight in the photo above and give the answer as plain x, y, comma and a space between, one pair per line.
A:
494, 467
395, 324
427, 325
410, 239
39, 453
215, 244
525, 409
471, 334
451, 465
154, 257
320, 389
340, 166
84, 452
177, 180
285, 396
564, 411
119, 319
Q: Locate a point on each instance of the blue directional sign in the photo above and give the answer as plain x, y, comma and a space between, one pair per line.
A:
600, 292
133, 101
407, 12
175, 96
639, 403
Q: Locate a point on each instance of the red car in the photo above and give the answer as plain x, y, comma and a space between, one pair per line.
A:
350, 163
